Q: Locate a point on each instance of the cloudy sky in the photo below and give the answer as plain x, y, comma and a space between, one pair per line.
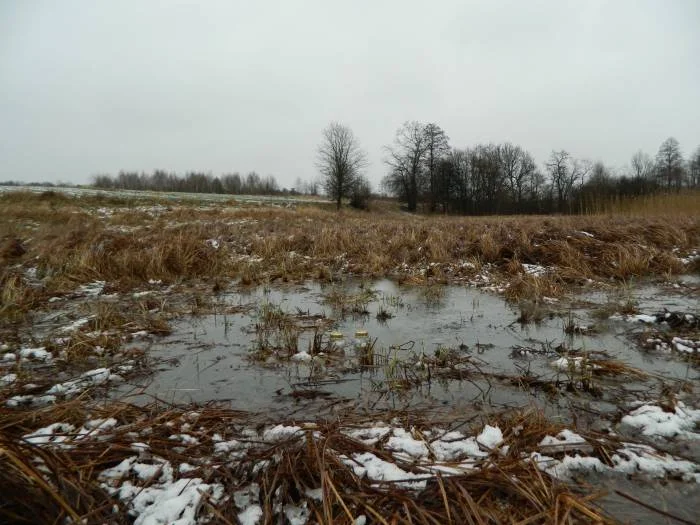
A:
96, 87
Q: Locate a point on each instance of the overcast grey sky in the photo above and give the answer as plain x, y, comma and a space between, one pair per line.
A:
98, 86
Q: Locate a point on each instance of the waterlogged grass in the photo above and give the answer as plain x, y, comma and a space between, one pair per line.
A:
96, 293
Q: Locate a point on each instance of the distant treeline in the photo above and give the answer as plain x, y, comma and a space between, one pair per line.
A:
197, 182
426, 172
33, 184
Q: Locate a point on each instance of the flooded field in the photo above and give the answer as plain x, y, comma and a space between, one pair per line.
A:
366, 349
449, 346
193, 364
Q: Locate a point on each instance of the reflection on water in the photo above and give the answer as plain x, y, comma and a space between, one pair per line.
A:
207, 358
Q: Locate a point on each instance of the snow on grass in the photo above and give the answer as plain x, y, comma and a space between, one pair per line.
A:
535, 269
568, 466
8, 379
302, 356
251, 515
370, 435
368, 465
29, 400
687, 346
403, 441
690, 258
454, 448
297, 514
280, 433
635, 458
642, 318
246, 500
75, 325
185, 439
655, 422
63, 433
566, 364
490, 437
35, 354
54, 433
91, 378
565, 437
152, 495
155, 491
631, 459
91, 289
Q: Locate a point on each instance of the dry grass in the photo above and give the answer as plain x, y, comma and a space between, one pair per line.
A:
70, 242
683, 203
49, 484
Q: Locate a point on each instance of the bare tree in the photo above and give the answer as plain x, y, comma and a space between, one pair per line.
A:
340, 160
566, 174
669, 164
518, 166
642, 165
406, 158
437, 146
559, 173
694, 169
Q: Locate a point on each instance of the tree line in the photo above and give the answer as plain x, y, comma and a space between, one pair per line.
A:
426, 172
193, 182
504, 178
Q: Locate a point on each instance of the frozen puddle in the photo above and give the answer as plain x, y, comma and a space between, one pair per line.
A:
458, 346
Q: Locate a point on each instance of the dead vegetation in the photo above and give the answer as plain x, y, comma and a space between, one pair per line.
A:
59, 480
72, 241
52, 245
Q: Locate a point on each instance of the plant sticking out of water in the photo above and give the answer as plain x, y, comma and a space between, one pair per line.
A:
533, 287
531, 312
433, 294
621, 301
366, 354
316, 345
289, 339
445, 356
346, 303
249, 274
277, 333
398, 374
571, 326
579, 372
383, 315
393, 301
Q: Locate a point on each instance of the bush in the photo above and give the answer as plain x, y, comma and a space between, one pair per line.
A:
360, 195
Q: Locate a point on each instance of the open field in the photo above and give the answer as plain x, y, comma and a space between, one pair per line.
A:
191, 361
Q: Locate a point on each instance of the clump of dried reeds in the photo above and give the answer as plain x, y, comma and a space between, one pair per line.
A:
52, 483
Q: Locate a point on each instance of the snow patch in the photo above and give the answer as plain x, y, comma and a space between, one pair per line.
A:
655, 422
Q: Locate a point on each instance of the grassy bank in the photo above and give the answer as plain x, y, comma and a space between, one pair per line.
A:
72, 241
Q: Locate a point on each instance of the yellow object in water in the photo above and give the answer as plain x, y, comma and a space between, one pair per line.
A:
336, 335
